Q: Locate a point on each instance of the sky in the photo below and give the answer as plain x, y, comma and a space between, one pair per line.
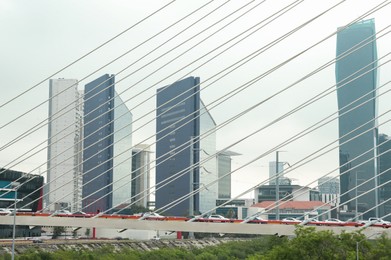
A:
41, 37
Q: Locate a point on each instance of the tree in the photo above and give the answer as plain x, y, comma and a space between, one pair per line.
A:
88, 232
309, 244
57, 231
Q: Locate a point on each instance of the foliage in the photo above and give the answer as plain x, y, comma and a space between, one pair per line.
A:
57, 231
88, 232
307, 244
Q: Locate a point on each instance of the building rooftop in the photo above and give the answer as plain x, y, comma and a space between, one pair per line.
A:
291, 204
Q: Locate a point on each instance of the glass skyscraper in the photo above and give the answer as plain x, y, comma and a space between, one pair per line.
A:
179, 124
107, 146
356, 77
385, 175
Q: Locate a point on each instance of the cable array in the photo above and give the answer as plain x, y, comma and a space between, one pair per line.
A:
222, 99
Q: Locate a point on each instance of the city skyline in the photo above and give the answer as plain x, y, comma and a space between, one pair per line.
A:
40, 63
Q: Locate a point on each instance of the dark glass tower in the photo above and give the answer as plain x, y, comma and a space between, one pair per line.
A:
356, 77
98, 149
385, 175
174, 102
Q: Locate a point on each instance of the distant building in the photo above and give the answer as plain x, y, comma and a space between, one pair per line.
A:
141, 175
273, 173
356, 77
287, 192
329, 190
236, 202
296, 209
107, 147
181, 119
224, 168
64, 165
29, 196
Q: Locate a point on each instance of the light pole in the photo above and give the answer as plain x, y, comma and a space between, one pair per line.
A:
277, 188
358, 243
14, 186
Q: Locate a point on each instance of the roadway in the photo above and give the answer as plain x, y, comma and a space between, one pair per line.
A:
176, 225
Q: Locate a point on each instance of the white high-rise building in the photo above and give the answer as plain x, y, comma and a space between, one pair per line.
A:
141, 175
64, 146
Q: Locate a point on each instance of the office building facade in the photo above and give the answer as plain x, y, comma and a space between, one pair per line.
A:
107, 147
224, 169
384, 175
329, 190
356, 77
64, 168
273, 174
181, 119
141, 175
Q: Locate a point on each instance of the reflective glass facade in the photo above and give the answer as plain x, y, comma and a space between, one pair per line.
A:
208, 169
103, 162
385, 175
356, 79
176, 102
122, 157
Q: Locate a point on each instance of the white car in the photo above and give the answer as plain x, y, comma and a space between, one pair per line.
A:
218, 217
62, 212
334, 221
377, 221
152, 215
290, 220
5, 211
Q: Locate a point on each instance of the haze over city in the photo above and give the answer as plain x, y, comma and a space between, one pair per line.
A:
41, 37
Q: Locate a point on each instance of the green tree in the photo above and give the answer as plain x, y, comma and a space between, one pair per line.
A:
381, 249
309, 244
57, 231
88, 232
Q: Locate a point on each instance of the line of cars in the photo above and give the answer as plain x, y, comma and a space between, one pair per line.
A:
375, 222
215, 218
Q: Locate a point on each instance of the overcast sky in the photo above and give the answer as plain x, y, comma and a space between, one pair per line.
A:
40, 37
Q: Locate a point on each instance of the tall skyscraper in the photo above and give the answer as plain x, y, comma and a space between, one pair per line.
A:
181, 119
107, 146
141, 175
64, 146
356, 77
385, 175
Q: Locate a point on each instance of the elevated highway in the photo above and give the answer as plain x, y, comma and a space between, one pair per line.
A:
177, 225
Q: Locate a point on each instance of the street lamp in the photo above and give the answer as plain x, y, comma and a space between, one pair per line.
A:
358, 243
14, 186
277, 188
